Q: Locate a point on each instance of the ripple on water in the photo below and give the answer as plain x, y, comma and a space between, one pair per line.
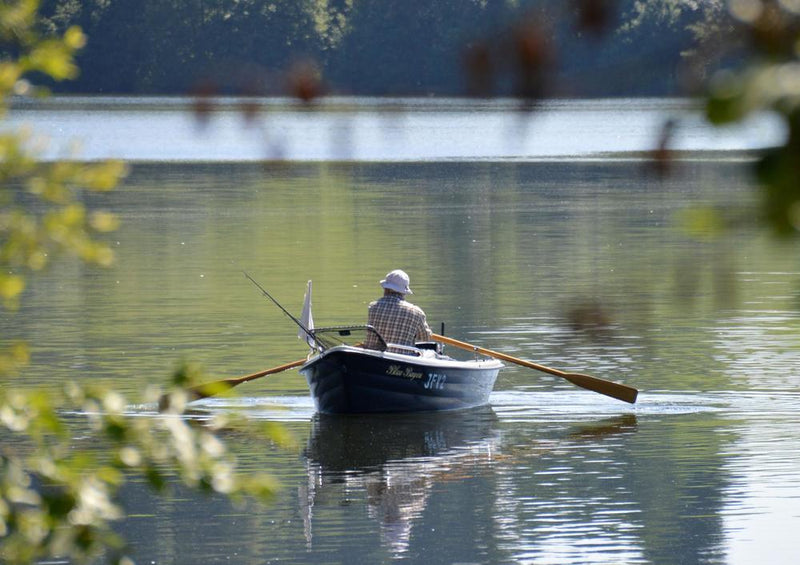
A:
532, 406
523, 405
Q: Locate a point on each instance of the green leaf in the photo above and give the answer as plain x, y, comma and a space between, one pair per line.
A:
11, 286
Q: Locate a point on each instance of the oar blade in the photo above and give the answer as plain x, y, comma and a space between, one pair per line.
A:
206, 390
609, 388
198, 392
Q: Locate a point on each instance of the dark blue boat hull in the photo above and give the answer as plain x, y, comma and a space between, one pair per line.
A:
349, 380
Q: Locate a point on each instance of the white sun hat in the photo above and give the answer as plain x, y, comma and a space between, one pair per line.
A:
397, 281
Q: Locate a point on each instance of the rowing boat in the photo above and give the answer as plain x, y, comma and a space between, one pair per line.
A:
345, 378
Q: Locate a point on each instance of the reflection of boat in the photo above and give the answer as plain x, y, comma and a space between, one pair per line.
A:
349, 379
392, 465
356, 442
393, 461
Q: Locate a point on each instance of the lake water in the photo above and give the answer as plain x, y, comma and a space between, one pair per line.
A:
354, 129
556, 244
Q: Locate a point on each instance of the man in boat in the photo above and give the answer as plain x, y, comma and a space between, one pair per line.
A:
396, 319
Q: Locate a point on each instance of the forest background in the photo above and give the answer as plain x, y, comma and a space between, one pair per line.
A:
382, 47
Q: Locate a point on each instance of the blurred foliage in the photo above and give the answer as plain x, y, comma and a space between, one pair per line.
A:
43, 212
743, 61
57, 501
762, 75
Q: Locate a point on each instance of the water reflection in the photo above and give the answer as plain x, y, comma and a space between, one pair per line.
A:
395, 462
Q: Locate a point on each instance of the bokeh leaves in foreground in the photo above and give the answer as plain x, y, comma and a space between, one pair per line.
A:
59, 500
43, 206
765, 78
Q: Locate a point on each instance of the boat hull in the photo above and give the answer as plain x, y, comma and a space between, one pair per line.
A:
345, 380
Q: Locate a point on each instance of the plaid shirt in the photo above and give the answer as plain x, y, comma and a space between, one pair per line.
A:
398, 321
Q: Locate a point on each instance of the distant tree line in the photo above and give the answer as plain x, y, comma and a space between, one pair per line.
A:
380, 47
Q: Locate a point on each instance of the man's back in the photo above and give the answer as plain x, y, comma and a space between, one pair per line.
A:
397, 320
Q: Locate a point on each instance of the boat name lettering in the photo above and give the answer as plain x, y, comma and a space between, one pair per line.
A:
435, 381
407, 372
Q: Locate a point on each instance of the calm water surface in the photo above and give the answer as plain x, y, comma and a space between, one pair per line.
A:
354, 129
592, 265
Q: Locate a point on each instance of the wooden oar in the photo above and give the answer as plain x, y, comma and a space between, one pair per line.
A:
612, 389
217, 387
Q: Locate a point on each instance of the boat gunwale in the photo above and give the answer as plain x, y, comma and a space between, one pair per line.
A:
423, 360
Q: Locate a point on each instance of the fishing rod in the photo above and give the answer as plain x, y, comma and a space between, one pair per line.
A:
307, 331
